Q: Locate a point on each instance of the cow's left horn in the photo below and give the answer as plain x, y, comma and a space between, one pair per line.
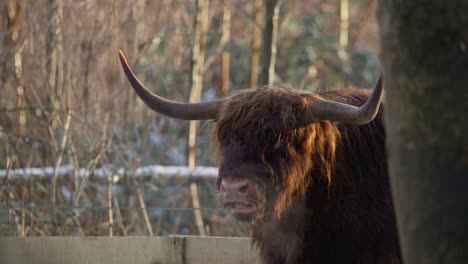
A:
187, 111
336, 111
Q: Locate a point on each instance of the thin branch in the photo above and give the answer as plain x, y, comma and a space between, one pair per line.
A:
59, 159
197, 213
143, 209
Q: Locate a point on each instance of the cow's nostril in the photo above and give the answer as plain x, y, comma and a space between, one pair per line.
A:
234, 188
243, 189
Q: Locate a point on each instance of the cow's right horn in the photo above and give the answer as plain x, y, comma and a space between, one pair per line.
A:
187, 111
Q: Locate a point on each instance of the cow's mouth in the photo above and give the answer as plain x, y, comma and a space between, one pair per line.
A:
240, 208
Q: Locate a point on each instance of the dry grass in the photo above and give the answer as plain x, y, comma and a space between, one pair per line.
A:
64, 100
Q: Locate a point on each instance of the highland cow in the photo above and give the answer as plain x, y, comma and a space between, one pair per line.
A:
308, 171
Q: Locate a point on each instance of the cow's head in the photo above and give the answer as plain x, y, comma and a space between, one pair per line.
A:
268, 138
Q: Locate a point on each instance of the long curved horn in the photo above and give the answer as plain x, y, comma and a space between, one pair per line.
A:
336, 111
187, 111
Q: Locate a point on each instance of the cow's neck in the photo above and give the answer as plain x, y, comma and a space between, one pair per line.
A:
282, 239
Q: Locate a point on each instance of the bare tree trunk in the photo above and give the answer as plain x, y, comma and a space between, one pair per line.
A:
13, 63
54, 66
197, 213
226, 30
363, 18
198, 63
54, 62
343, 14
113, 33
140, 28
255, 44
198, 57
225, 36
139, 37
270, 33
225, 60
225, 56
424, 53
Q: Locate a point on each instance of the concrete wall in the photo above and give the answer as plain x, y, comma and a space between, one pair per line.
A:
126, 250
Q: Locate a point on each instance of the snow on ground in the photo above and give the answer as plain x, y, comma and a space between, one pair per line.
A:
153, 170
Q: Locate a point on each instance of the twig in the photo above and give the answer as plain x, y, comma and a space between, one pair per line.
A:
78, 225
8, 192
144, 211
91, 165
197, 213
118, 214
109, 203
23, 222
60, 157
363, 17
255, 44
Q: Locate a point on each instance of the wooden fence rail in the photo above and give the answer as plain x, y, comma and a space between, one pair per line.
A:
127, 250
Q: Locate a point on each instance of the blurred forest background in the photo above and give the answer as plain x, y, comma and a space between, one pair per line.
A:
64, 101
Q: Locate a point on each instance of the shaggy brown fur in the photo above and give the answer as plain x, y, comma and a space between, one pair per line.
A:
325, 195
